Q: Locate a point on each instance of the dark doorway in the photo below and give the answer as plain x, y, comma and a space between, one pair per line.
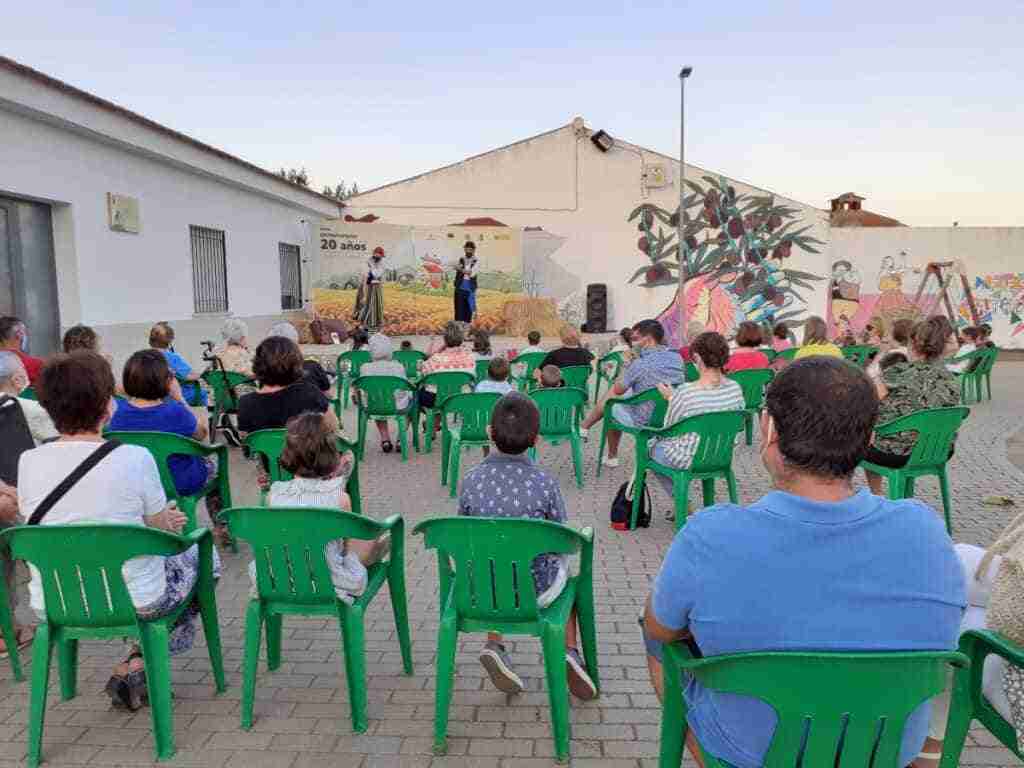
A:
28, 274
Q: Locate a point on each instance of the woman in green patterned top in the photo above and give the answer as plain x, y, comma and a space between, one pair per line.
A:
922, 382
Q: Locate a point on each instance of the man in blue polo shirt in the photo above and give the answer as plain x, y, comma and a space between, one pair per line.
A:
813, 565
655, 364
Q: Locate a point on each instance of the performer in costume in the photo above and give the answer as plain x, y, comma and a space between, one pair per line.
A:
465, 285
370, 299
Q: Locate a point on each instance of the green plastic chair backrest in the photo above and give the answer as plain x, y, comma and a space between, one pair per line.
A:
162, 445
28, 393
288, 548
221, 382
787, 354
80, 568
353, 360
610, 366
379, 393
577, 376
691, 373
531, 360
858, 353
481, 369
988, 360
717, 433
447, 383
842, 709
269, 444
558, 409
753, 382
410, 358
936, 430
473, 412
650, 396
486, 562
770, 353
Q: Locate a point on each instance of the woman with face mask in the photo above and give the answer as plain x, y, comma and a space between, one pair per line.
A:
370, 302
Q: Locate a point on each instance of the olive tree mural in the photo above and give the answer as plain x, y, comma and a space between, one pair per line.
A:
735, 248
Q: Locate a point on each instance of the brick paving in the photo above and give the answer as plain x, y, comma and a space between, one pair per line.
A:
302, 716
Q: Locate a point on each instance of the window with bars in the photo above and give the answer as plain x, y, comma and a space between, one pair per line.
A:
209, 270
291, 276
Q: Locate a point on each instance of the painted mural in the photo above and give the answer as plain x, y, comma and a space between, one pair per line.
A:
999, 301
734, 258
513, 286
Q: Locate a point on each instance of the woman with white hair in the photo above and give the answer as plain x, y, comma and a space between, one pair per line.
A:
381, 363
235, 355
312, 371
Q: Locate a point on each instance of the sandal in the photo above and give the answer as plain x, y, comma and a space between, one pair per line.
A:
128, 691
20, 638
387, 446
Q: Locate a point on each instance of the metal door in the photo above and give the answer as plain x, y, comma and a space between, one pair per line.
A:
28, 274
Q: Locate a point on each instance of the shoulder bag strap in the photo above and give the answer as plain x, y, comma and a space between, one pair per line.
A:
68, 482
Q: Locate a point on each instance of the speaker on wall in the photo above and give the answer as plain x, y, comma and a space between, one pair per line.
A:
597, 308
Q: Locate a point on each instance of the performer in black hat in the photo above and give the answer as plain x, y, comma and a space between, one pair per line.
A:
465, 284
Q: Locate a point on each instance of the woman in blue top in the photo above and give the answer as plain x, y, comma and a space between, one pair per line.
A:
155, 403
161, 338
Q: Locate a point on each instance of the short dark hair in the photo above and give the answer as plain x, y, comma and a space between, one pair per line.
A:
310, 447
626, 334
824, 410
533, 337
986, 329
481, 342
75, 390
497, 370
891, 359
147, 375
360, 338
80, 337
161, 335
712, 348
930, 336
652, 329
515, 423
815, 331
902, 329
749, 334
8, 327
453, 335
970, 332
781, 331
277, 362
406, 344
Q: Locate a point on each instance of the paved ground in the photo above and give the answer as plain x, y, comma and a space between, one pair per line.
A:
302, 711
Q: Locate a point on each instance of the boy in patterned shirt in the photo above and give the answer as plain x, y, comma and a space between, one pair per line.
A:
508, 484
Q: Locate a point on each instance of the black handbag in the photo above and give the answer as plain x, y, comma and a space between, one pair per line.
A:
622, 508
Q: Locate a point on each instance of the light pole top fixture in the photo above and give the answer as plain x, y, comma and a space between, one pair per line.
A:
685, 72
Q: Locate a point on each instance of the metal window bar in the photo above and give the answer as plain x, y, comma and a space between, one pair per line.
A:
209, 270
291, 276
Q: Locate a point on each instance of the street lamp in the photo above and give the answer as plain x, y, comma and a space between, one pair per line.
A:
681, 222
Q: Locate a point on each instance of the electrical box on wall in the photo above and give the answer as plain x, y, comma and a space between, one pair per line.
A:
657, 175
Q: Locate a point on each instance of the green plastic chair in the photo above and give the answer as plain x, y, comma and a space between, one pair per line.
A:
713, 459
377, 402
7, 624
221, 383
464, 421
609, 422
977, 645
192, 392
86, 599
445, 384
486, 586
609, 368
691, 373
481, 370
858, 354
753, 382
293, 579
346, 368
787, 354
28, 393
531, 361
770, 353
971, 377
936, 430
984, 370
842, 709
163, 445
410, 359
578, 376
268, 444
559, 421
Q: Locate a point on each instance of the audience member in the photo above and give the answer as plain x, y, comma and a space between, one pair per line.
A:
551, 377
14, 338
284, 392
655, 364
570, 353
711, 393
452, 356
311, 369
889, 359
383, 364
77, 391
497, 378
508, 484
359, 337
833, 560
816, 340
970, 344
533, 340
161, 337
952, 342
320, 474
482, 345
13, 380
693, 329
780, 337
235, 355
625, 341
748, 355
9, 518
984, 335
899, 342
81, 337
874, 332
406, 345
921, 383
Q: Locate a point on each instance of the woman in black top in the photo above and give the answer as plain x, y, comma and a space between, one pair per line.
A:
465, 285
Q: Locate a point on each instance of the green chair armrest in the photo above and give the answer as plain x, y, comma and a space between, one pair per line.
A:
997, 644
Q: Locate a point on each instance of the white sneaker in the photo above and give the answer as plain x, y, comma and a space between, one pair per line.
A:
610, 462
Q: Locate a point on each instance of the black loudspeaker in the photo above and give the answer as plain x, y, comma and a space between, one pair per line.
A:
597, 308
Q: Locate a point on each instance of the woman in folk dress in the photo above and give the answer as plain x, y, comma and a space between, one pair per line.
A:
370, 303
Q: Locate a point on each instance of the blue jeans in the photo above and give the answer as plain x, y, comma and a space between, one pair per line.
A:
658, 454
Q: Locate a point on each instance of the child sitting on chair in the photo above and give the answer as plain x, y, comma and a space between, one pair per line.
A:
497, 378
508, 484
551, 377
320, 474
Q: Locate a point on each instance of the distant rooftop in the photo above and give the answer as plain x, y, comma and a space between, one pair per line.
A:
846, 211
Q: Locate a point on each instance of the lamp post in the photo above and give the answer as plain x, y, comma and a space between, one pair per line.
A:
681, 222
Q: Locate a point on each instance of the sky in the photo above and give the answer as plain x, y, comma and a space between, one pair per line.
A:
915, 105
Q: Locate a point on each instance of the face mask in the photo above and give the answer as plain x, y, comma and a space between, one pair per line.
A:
24, 342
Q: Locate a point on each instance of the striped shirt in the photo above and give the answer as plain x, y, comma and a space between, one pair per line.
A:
693, 400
